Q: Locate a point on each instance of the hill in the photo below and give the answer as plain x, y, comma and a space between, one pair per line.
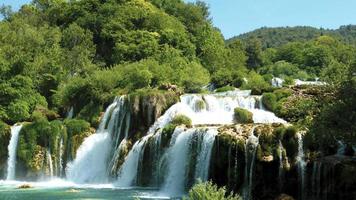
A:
274, 37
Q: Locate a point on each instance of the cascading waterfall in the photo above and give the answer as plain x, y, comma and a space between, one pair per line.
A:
70, 113
341, 148
316, 180
60, 160
12, 149
216, 109
128, 171
203, 160
90, 164
301, 166
49, 163
281, 169
120, 128
250, 155
175, 181
99, 155
211, 109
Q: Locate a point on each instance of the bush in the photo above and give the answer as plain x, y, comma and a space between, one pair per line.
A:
288, 81
200, 105
35, 137
209, 191
256, 83
243, 116
269, 100
225, 89
182, 120
76, 126
167, 132
283, 93
5, 135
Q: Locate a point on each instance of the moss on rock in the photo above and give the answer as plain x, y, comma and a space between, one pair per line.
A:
5, 135
243, 116
182, 120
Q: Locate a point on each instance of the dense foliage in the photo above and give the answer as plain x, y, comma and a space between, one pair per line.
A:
207, 190
274, 37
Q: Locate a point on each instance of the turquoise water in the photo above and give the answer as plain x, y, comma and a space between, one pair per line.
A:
48, 191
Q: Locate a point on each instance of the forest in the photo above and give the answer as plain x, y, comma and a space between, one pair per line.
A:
58, 55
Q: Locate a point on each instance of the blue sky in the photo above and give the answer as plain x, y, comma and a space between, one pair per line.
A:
234, 17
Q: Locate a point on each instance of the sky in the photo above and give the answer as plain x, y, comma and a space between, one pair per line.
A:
234, 17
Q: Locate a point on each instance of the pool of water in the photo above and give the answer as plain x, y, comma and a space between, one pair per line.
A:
57, 190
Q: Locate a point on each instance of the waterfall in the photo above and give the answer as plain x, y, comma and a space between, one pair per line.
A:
70, 113
128, 171
281, 168
315, 180
250, 155
61, 151
204, 154
301, 166
216, 109
341, 148
12, 151
90, 164
175, 182
120, 128
49, 163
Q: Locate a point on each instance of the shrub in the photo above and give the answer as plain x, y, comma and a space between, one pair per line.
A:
207, 190
200, 105
5, 135
76, 126
256, 83
182, 120
167, 132
243, 116
225, 89
269, 100
34, 138
296, 108
288, 81
283, 93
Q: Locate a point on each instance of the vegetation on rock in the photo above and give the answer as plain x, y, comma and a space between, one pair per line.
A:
243, 116
182, 120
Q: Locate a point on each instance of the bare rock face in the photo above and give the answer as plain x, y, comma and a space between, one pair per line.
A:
146, 106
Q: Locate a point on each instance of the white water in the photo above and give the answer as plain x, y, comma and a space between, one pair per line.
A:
203, 160
175, 181
128, 171
301, 166
49, 163
216, 109
278, 82
70, 113
281, 169
250, 155
341, 148
61, 151
90, 164
12, 151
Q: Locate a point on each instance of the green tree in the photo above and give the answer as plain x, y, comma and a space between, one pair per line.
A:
254, 53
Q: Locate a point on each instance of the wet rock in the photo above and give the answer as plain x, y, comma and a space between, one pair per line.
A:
25, 186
